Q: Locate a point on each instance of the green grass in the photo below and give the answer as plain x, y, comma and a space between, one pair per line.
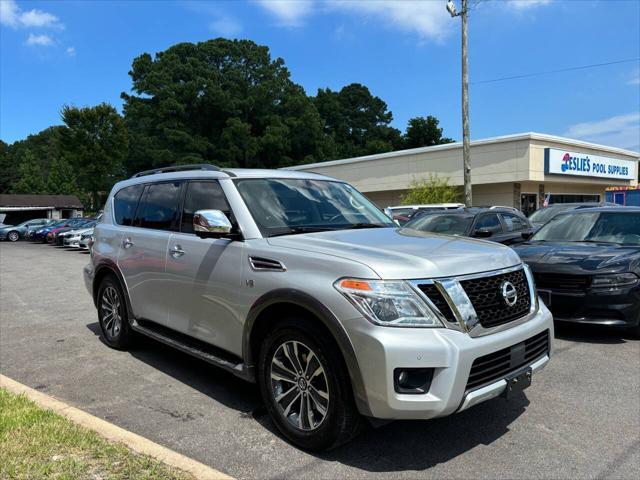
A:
37, 443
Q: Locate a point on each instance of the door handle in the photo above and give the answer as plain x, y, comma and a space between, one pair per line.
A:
127, 243
176, 251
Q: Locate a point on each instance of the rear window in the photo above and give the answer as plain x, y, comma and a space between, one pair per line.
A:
159, 207
125, 203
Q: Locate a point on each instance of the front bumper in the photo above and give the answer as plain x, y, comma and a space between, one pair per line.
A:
72, 242
597, 306
450, 353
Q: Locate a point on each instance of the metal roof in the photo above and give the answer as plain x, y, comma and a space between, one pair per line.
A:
44, 201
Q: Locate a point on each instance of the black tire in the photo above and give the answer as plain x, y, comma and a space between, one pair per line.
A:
13, 236
341, 420
113, 314
634, 331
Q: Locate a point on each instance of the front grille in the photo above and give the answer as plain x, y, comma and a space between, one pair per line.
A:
486, 297
494, 366
553, 281
431, 291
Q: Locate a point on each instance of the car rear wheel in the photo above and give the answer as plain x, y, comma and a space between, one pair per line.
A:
13, 236
306, 388
113, 315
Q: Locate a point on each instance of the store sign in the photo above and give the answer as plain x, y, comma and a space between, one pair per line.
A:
563, 162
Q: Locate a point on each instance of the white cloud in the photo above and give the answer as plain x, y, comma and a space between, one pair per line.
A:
226, 26
635, 77
13, 16
526, 4
70, 51
618, 131
427, 19
290, 13
39, 40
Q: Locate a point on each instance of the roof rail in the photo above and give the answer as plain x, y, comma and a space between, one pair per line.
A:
178, 168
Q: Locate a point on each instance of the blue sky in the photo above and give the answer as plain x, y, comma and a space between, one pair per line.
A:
407, 52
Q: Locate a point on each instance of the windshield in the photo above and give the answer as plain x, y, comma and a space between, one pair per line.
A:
283, 206
545, 214
622, 228
441, 223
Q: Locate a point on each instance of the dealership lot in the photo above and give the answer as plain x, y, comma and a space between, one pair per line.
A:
580, 418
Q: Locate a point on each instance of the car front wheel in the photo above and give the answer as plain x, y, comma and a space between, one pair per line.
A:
112, 315
13, 236
306, 388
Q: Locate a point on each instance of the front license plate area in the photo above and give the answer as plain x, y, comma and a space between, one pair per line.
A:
517, 382
545, 296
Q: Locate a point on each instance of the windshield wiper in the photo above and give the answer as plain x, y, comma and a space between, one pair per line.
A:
355, 226
296, 230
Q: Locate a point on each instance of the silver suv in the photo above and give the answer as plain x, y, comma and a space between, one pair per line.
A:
299, 283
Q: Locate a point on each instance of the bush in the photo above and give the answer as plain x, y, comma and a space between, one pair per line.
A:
433, 190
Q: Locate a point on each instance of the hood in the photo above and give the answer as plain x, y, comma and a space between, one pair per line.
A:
396, 253
79, 231
577, 257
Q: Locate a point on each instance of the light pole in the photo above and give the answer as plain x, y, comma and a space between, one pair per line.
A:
466, 143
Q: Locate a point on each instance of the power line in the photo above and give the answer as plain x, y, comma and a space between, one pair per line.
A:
569, 69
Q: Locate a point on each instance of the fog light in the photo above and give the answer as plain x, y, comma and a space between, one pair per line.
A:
412, 380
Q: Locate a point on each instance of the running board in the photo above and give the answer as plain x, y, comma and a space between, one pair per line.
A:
194, 347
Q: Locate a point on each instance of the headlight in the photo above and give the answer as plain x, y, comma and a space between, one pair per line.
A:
616, 280
388, 303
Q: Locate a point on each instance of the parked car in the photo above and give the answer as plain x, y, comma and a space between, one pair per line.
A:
402, 214
72, 237
543, 215
86, 240
502, 225
15, 233
298, 282
587, 265
61, 234
53, 234
40, 235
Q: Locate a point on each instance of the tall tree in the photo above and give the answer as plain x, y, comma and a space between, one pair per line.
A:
358, 122
62, 178
424, 132
222, 101
95, 143
30, 178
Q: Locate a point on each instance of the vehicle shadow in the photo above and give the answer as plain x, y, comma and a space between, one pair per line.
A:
592, 333
397, 446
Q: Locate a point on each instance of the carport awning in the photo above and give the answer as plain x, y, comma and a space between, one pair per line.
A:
22, 209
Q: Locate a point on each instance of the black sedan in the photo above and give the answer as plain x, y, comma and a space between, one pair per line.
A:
499, 224
586, 264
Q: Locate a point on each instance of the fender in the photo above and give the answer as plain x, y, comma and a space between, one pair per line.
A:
112, 267
329, 320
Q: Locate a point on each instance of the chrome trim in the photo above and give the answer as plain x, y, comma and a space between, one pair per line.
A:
275, 265
463, 309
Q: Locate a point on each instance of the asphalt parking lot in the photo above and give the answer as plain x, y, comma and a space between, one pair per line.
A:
579, 419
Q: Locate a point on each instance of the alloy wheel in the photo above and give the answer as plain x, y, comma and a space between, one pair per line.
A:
299, 385
13, 236
112, 312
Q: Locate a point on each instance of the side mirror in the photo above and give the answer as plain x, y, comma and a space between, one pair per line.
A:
211, 224
482, 233
527, 235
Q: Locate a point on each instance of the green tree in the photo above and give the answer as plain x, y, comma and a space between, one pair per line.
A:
424, 132
431, 190
62, 178
30, 178
357, 122
95, 144
222, 101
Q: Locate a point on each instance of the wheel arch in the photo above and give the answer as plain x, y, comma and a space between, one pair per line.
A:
264, 313
110, 268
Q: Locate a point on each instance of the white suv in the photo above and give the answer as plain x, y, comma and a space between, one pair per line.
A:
298, 282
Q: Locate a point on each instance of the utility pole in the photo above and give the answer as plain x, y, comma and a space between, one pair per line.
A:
466, 142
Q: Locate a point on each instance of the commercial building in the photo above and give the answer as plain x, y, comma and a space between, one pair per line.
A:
17, 208
513, 170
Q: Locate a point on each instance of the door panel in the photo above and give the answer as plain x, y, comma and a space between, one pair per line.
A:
203, 280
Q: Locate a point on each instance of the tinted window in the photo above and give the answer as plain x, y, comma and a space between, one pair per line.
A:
159, 206
489, 222
513, 222
125, 203
202, 196
615, 227
452, 224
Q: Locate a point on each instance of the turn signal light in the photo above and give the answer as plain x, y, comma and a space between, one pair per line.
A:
356, 285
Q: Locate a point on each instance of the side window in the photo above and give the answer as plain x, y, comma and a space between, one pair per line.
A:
489, 221
202, 195
125, 203
159, 206
513, 223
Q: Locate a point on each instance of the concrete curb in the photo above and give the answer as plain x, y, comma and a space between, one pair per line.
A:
114, 433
